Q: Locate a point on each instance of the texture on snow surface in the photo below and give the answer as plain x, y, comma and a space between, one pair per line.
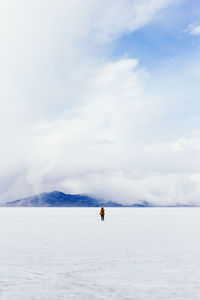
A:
68, 253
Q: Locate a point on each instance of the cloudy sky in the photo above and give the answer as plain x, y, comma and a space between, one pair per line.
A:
100, 97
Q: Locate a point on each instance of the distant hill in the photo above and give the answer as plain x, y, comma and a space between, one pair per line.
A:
59, 199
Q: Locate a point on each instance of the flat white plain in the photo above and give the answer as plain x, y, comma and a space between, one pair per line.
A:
68, 253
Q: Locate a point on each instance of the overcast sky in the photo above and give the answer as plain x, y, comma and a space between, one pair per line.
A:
100, 97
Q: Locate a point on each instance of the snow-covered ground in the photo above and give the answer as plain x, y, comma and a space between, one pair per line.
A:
68, 253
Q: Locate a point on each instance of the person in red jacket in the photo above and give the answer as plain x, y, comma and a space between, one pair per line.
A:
102, 213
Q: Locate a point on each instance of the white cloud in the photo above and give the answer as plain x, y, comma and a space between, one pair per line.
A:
126, 16
72, 120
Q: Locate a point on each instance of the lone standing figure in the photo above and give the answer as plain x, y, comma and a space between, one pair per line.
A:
102, 213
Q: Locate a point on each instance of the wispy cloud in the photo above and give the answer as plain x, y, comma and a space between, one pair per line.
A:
194, 29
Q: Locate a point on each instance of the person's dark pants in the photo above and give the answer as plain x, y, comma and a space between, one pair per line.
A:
102, 217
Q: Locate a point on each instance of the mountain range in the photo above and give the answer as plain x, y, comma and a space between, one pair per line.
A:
59, 199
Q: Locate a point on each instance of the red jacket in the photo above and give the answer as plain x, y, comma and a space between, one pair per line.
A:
102, 212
